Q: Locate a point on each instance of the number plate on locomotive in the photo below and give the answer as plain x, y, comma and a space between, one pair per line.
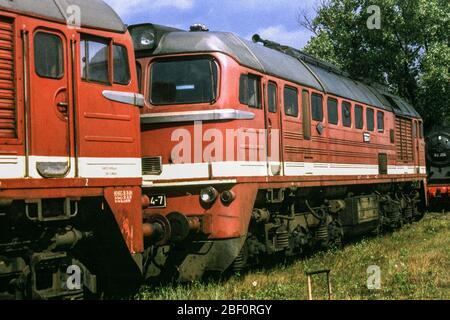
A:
158, 201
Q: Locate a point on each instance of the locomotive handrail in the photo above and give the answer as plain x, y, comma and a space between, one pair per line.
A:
189, 116
26, 99
135, 99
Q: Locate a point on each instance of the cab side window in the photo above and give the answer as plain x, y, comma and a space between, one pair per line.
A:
347, 114
317, 107
250, 90
121, 65
139, 75
291, 101
332, 105
370, 114
380, 121
359, 120
272, 97
94, 54
48, 55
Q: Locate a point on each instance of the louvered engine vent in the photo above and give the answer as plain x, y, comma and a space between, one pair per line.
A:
151, 166
8, 124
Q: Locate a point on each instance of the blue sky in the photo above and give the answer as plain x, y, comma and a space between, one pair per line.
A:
274, 20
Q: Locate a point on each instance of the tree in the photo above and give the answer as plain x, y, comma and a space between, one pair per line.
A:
410, 51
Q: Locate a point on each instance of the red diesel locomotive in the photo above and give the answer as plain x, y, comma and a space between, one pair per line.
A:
70, 161
253, 151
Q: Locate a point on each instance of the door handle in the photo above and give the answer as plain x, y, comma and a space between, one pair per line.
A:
63, 108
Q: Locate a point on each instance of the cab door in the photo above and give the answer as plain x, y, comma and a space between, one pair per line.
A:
273, 130
50, 105
107, 125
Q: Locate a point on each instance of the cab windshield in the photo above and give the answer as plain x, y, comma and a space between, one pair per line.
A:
183, 81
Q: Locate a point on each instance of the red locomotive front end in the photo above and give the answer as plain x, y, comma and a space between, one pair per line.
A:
70, 168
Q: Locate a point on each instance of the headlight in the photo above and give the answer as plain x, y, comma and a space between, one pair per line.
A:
148, 39
227, 197
208, 195
144, 37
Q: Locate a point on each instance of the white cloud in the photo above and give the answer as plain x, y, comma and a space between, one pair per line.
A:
295, 38
270, 4
130, 7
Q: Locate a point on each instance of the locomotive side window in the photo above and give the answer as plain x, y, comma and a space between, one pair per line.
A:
347, 114
48, 55
380, 121
359, 121
317, 107
291, 101
184, 81
332, 105
139, 75
94, 54
306, 114
370, 119
272, 97
121, 66
250, 91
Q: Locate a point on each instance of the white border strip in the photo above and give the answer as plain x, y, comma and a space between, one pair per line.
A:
110, 167
260, 169
13, 167
149, 184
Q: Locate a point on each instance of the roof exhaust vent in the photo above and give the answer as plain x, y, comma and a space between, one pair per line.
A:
198, 27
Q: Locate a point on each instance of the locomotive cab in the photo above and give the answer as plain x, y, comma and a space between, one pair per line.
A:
70, 169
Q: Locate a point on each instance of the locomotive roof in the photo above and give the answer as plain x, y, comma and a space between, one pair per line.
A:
274, 62
94, 13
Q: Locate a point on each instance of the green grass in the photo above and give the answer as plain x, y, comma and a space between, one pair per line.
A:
414, 262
